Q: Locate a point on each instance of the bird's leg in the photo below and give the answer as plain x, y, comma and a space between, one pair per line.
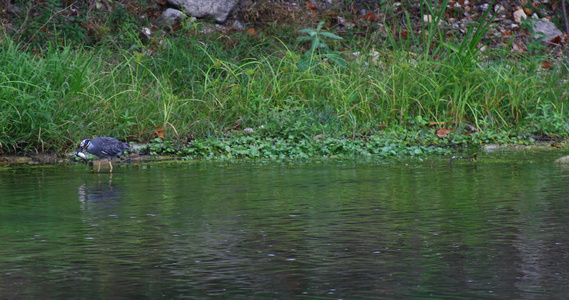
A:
110, 164
99, 169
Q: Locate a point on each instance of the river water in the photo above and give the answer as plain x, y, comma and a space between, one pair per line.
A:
497, 228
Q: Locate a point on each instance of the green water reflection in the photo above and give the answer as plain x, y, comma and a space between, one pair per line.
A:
493, 229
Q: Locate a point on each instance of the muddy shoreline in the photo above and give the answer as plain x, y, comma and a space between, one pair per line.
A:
58, 159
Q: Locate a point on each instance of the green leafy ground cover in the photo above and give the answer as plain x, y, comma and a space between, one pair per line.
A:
285, 92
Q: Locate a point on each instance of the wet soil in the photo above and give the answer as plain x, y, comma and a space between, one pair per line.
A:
54, 159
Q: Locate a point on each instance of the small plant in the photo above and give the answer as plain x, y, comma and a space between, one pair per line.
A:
318, 48
535, 46
549, 120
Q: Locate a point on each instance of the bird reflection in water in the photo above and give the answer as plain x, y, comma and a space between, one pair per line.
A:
99, 196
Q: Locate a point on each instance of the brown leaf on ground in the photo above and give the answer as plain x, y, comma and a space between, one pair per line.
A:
556, 40
370, 17
436, 123
442, 132
311, 7
160, 132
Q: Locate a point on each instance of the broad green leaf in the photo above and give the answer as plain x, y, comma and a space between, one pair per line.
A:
312, 32
330, 35
335, 57
304, 38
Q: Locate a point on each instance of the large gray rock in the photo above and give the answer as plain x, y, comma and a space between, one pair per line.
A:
218, 9
547, 29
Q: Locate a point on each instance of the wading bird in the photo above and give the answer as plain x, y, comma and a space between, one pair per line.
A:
103, 147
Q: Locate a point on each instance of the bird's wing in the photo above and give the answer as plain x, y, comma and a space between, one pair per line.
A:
115, 148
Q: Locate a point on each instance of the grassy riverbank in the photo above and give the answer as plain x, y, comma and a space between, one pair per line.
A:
223, 90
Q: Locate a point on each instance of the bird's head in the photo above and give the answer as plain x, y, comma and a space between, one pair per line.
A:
84, 143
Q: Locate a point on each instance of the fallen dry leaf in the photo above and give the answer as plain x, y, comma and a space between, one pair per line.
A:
442, 132
546, 64
160, 132
556, 40
370, 17
310, 6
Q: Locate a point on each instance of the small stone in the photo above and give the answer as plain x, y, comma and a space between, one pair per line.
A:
171, 16
238, 25
519, 15
499, 8
427, 19
146, 32
515, 48
319, 137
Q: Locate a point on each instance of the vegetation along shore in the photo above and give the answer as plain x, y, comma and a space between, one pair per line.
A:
292, 81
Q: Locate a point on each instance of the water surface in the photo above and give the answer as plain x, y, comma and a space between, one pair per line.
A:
493, 229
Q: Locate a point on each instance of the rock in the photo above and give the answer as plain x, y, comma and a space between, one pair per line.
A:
319, 137
218, 9
499, 9
13, 9
519, 15
562, 160
547, 29
174, 4
145, 33
171, 16
21, 160
238, 25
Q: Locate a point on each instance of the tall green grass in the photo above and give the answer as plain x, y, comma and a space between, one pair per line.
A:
197, 87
